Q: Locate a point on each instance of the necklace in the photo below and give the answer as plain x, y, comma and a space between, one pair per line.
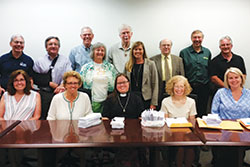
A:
123, 107
136, 77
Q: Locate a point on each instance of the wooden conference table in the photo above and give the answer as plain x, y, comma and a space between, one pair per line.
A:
66, 134
62, 133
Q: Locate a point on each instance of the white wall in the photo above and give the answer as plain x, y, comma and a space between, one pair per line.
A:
151, 20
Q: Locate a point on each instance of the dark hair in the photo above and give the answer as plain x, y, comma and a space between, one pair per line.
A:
51, 37
115, 92
10, 87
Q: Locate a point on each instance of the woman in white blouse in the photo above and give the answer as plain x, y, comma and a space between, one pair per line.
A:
179, 105
20, 102
71, 104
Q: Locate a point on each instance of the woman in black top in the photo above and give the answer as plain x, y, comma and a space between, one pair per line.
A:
122, 102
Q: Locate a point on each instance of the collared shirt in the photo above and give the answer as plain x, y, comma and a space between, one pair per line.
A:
196, 64
163, 66
62, 65
79, 56
227, 108
8, 64
118, 56
219, 65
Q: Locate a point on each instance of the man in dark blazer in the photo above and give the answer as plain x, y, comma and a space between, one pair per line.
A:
167, 65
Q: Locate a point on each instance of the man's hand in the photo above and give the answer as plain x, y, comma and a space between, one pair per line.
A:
59, 89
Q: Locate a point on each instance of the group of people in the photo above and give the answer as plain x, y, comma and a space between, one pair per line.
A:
123, 81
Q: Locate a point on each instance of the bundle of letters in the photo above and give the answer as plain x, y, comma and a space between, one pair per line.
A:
117, 123
153, 118
212, 119
90, 120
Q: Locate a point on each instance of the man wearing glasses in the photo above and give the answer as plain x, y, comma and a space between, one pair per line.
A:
14, 60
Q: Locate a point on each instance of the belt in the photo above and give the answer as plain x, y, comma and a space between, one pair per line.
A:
46, 89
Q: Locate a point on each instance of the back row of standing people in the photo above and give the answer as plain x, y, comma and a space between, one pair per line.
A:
195, 60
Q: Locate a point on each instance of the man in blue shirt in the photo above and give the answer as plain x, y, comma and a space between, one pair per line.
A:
80, 54
14, 60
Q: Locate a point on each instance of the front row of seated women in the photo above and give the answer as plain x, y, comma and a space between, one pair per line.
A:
22, 103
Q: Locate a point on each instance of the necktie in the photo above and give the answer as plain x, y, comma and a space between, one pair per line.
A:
167, 69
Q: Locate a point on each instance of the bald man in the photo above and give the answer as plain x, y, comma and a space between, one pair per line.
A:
168, 65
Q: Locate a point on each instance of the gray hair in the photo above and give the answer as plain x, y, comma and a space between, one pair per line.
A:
95, 46
226, 37
16, 36
167, 40
86, 27
124, 26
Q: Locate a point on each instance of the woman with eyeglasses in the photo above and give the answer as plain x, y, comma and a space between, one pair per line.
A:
122, 102
71, 104
20, 102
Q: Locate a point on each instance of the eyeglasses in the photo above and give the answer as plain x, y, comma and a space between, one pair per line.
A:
120, 83
179, 87
72, 83
17, 81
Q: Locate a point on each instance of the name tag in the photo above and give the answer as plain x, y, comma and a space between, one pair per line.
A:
205, 58
23, 64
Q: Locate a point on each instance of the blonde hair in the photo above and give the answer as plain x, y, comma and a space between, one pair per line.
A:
72, 74
235, 71
131, 61
170, 85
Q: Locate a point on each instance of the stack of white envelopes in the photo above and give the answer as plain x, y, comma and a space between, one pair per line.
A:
152, 118
212, 119
90, 120
117, 123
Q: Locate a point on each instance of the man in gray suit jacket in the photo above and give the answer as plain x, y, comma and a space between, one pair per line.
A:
167, 65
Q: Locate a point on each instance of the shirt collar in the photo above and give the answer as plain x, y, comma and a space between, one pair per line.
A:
191, 49
120, 46
223, 59
87, 48
11, 56
50, 57
163, 56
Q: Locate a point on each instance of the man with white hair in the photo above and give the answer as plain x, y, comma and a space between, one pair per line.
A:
223, 61
14, 60
80, 54
118, 54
